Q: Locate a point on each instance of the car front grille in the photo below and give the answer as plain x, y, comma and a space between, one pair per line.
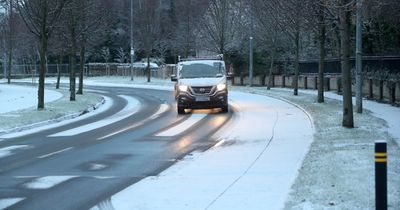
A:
202, 90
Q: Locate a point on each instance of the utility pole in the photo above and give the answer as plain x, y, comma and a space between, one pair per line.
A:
251, 46
10, 41
132, 50
359, 58
251, 62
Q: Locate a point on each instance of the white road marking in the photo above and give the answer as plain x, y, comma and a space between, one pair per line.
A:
132, 107
25, 177
181, 127
7, 151
120, 131
54, 153
97, 91
7, 202
219, 143
104, 177
47, 182
163, 108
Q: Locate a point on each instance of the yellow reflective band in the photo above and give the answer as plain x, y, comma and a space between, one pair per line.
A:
380, 154
380, 160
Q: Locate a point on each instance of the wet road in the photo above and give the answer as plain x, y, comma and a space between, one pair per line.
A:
78, 165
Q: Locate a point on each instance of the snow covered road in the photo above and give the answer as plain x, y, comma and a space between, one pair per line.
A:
253, 167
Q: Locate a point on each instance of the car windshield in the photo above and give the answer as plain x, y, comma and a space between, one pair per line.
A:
196, 70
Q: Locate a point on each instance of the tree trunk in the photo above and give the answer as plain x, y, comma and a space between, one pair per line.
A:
359, 77
81, 69
10, 54
296, 63
345, 63
73, 64
271, 68
60, 60
72, 61
42, 70
10, 43
321, 67
148, 70
42, 54
5, 64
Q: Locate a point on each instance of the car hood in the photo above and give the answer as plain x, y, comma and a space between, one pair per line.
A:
201, 82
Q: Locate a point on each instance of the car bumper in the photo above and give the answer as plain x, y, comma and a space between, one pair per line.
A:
188, 101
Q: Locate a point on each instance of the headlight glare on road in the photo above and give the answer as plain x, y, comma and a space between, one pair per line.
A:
183, 88
221, 87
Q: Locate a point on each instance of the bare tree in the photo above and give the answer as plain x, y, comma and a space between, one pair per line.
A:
121, 55
11, 35
81, 23
3, 34
9, 21
106, 55
147, 25
293, 23
40, 17
320, 8
268, 31
187, 16
345, 7
73, 15
289, 16
93, 20
221, 24
58, 47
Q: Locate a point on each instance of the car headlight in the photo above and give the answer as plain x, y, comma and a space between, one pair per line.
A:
221, 87
183, 88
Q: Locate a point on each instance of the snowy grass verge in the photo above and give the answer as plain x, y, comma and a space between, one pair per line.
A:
56, 111
338, 171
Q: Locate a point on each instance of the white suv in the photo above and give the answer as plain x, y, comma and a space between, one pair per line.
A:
201, 84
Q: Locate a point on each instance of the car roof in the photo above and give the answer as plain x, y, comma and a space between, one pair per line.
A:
200, 61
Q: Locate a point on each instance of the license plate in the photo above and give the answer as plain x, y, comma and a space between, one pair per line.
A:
202, 98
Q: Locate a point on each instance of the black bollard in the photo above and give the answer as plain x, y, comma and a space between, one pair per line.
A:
380, 175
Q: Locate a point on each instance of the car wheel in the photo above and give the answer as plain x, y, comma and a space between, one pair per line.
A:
181, 110
225, 109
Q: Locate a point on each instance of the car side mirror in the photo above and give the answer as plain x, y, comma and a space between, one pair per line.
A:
174, 78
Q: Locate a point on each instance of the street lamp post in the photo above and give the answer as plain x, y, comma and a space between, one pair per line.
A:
358, 58
251, 45
132, 51
251, 62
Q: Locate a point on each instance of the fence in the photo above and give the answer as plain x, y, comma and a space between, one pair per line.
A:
332, 65
93, 69
381, 90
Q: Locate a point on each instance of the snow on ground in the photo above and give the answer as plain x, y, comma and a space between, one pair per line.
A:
18, 119
242, 172
387, 112
338, 172
16, 97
